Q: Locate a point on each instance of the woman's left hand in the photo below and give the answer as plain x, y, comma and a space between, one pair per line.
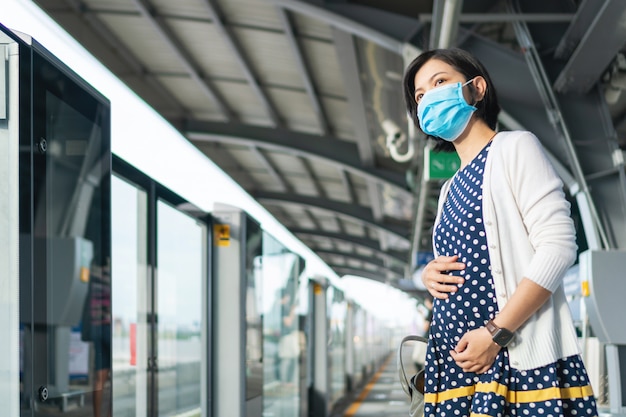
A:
476, 351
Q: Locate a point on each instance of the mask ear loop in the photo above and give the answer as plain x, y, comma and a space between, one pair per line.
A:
472, 90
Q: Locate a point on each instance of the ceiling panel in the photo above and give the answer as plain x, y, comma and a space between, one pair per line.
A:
271, 57
186, 90
188, 9
147, 45
321, 57
241, 97
260, 14
206, 45
312, 28
296, 108
109, 5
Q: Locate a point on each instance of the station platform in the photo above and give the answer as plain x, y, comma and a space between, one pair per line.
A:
381, 396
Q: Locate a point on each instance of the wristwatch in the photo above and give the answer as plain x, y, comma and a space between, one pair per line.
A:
499, 335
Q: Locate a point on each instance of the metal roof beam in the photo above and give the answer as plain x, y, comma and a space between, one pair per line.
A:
347, 185
313, 219
365, 273
304, 70
342, 23
239, 173
505, 17
314, 179
338, 153
388, 274
229, 37
367, 259
149, 12
603, 39
352, 212
578, 27
376, 201
271, 168
122, 51
349, 65
347, 257
392, 255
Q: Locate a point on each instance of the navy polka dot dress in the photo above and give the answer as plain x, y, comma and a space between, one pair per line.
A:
558, 389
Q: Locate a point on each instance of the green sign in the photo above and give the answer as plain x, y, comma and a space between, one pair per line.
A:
440, 165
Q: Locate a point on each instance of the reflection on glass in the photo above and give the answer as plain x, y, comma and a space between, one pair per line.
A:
180, 324
65, 300
254, 322
360, 360
337, 334
284, 338
128, 214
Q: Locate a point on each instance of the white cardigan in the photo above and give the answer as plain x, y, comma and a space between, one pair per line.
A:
529, 234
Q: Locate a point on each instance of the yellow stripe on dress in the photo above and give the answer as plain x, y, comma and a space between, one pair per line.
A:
513, 397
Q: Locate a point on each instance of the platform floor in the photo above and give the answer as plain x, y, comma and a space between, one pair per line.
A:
382, 396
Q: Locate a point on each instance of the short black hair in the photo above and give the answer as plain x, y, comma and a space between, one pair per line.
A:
465, 63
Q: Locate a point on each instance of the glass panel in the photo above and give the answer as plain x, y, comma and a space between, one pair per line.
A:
65, 300
360, 360
180, 310
284, 338
254, 321
129, 343
337, 308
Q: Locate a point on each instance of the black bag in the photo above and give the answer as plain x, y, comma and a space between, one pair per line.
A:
413, 387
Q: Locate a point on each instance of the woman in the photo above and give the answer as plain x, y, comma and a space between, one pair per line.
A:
502, 341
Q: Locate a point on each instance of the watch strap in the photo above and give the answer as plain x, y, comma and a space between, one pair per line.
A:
499, 335
492, 327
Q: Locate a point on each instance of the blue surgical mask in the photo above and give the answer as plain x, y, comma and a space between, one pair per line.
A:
443, 111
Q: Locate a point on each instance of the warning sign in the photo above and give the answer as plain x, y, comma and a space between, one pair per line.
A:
222, 234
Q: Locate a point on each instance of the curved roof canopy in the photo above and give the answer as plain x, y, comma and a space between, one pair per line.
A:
296, 99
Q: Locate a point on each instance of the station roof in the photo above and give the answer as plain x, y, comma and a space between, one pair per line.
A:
291, 98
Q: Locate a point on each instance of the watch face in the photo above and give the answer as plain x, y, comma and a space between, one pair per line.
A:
503, 337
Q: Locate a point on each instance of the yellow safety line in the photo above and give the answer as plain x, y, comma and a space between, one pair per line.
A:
355, 405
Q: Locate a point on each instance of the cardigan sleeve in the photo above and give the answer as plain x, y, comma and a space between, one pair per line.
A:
545, 212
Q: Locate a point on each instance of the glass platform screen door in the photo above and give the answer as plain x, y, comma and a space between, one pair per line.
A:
64, 240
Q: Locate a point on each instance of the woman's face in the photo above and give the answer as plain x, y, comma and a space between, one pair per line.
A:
435, 73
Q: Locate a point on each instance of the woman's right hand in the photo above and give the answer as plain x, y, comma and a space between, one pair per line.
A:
436, 278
